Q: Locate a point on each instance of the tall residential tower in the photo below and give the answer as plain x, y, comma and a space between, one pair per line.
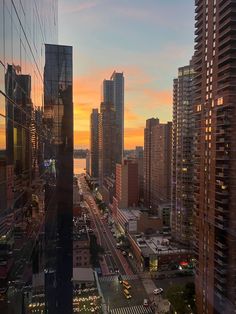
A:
182, 156
157, 161
215, 156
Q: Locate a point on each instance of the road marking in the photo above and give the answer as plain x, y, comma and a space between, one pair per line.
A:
124, 277
137, 309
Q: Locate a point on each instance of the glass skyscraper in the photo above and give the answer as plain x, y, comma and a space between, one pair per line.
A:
58, 118
36, 148
113, 92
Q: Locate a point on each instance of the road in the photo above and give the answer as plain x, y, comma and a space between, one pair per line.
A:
112, 257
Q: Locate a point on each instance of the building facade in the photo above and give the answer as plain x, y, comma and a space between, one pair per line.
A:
139, 160
58, 120
24, 28
215, 165
127, 189
157, 161
94, 143
107, 141
113, 92
182, 160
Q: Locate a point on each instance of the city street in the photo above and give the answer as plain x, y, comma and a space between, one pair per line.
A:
113, 258
113, 293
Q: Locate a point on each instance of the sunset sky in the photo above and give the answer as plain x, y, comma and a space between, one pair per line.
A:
146, 39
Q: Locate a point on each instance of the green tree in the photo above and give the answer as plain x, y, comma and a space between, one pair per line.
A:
175, 296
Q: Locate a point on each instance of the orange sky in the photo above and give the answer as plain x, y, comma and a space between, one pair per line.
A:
141, 103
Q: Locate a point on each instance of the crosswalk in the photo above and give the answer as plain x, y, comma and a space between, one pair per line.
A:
112, 278
137, 309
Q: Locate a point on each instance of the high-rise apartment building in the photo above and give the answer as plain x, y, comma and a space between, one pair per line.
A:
58, 119
157, 161
94, 143
113, 92
107, 141
215, 156
182, 156
139, 160
127, 189
24, 28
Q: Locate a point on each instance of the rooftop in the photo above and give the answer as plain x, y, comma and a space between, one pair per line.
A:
157, 244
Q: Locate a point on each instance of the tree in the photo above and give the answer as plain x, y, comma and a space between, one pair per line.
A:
175, 296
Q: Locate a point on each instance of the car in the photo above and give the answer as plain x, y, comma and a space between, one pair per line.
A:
126, 285
145, 302
131, 255
158, 291
127, 294
124, 253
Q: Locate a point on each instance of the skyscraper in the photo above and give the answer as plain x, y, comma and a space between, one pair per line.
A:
157, 161
107, 141
113, 92
58, 109
24, 28
94, 143
215, 159
182, 160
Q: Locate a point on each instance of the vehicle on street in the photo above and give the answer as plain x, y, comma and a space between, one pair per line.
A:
126, 285
131, 255
127, 294
124, 253
145, 302
158, 291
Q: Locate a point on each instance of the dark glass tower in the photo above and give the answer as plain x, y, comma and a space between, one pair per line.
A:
58, 118
24, 28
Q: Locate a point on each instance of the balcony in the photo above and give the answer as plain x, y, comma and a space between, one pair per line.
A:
221, 279
223, 201
220, 262
221, 245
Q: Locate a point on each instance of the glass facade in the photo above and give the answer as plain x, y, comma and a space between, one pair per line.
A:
58, 118
25, 26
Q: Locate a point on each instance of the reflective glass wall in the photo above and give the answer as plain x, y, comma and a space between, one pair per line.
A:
25, 27
58, 121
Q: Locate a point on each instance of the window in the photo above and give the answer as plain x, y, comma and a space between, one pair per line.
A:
220, 101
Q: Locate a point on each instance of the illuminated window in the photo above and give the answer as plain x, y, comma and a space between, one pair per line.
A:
220, 101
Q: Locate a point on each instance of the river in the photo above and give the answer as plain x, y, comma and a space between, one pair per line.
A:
79, 165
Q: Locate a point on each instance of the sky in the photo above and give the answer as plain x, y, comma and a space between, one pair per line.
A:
146, 39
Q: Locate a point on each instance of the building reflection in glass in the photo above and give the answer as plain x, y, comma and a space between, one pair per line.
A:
58, 118
24, 28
